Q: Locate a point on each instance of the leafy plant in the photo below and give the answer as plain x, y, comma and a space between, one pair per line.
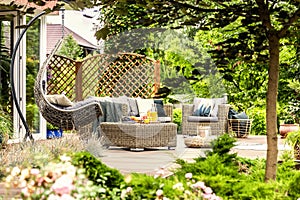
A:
293, 138
51, 126
258, 114
6, 126
98, 172
177, 117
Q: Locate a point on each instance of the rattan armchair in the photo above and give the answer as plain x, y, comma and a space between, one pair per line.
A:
217, 127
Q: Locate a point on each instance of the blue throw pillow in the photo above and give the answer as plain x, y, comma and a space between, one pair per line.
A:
206, 111
160, 108
241, 115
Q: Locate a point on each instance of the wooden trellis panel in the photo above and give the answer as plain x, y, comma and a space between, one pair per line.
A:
127, 74
61, 76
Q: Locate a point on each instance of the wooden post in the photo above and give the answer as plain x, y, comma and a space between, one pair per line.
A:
78, 81
156, 76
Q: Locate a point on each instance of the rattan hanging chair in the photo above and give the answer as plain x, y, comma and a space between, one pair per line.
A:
66, 119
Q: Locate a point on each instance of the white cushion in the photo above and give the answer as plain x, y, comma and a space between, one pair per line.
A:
144, 105
59, 99
133, 106
217, 102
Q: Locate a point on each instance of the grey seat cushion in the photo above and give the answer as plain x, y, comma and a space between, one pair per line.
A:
202, 119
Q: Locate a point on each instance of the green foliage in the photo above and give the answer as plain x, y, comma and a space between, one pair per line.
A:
293, 138
145, 186
98, 172
4, 75
70, 48
258, 114
294, 186
240, 178
222, 145
6, 126
177, 117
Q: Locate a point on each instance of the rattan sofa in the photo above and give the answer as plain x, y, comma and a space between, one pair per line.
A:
140, 135
217, 125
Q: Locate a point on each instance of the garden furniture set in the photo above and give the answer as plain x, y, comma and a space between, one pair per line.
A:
93, 95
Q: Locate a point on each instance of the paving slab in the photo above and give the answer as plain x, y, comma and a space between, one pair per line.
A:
152, 160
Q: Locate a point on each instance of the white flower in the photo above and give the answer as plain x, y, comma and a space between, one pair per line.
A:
159, 193
65, 158
187, 192
178, 186
34, 171
208, 190
199, 185
15, 171
128, 189
63, 185
24, 174
188, 175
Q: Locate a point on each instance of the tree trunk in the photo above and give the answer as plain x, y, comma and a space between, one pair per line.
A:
272, 151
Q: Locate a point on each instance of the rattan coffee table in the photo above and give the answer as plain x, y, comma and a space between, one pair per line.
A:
136, 135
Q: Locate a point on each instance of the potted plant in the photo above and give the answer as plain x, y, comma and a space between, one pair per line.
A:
6, 127
293, 139
53, 131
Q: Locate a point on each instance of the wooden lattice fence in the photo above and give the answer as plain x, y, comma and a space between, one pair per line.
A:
111, 75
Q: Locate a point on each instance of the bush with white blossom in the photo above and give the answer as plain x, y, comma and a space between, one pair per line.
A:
60, 180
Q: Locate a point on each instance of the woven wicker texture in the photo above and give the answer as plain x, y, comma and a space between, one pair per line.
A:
217, 128
240, 127
65, 119
297, 151
139, 135
111, 75
197, 141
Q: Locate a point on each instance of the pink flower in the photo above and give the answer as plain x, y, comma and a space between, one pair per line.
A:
188, 175
206, 196
25, 192
159, 193
34, 171
128, 189
208, 190
160, 173
199, 185
63, 185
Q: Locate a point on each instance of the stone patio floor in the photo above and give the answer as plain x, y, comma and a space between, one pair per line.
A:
151, 160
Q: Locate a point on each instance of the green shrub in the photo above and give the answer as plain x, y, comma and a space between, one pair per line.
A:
258, 114
177, 118
98, 172
294, 186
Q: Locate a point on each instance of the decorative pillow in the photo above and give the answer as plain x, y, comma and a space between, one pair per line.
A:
241, 115
123, 100
203, 107
160, 108
144, 105
59, 99
133, 107
217, 102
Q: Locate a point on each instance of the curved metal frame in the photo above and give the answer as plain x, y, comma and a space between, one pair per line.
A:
28, 133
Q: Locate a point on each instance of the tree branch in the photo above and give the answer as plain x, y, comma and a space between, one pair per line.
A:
295, 17
264, 14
